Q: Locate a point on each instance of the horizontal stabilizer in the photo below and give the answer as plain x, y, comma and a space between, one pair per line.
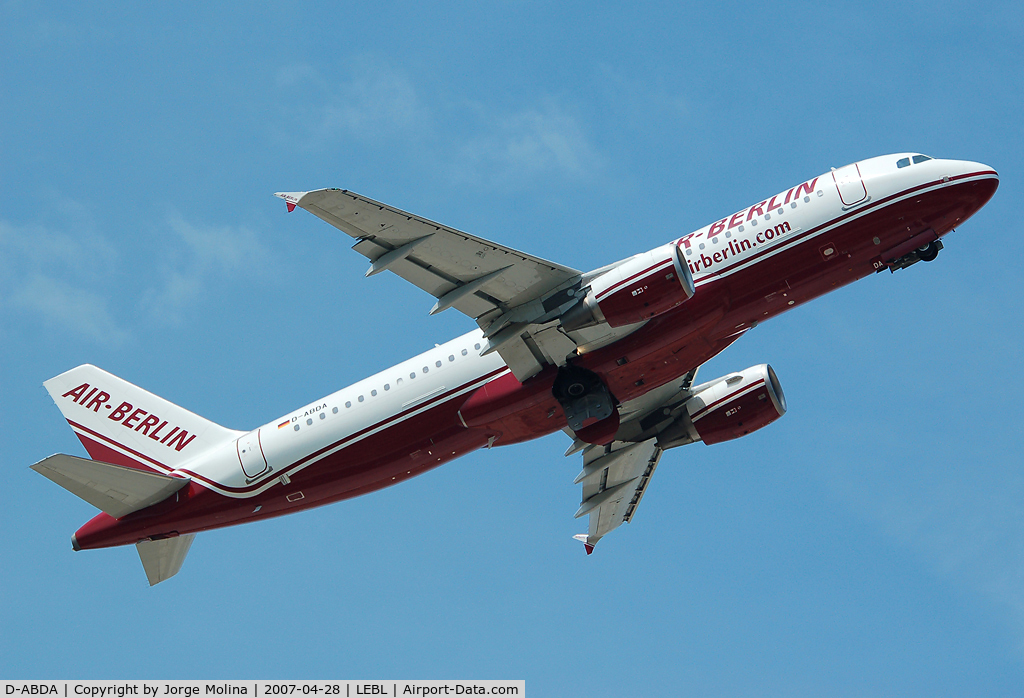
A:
115, 489
163, 558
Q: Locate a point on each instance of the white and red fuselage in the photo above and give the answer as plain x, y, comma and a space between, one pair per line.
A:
746, 267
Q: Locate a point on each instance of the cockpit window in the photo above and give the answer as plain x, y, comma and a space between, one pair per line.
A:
920, 158
903, 162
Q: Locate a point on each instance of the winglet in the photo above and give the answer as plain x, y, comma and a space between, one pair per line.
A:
582, 537
291, 198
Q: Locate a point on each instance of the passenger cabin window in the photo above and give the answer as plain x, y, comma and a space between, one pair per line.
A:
920, 158
903, 162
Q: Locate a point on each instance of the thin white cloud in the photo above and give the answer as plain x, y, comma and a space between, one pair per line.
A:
544, 140
58, 276
201, 253
643, 101
967, 522
296, 75
224, 248
371, 103
69, 307
375, 102
72, 279
491, 145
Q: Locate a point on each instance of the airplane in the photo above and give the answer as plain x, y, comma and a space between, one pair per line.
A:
608, 356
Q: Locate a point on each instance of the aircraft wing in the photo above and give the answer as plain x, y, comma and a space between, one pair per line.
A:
506, 291
615, 477
614, 480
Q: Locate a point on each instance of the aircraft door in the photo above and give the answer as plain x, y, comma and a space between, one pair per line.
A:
250, 455
850, 185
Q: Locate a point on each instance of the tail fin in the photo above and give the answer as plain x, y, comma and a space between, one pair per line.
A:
121, 423
162, 558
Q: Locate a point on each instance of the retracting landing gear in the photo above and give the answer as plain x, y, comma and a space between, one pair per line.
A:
929, 251
923, 254
583, 395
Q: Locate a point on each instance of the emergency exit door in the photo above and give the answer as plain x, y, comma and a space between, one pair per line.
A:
850, 184
250, 454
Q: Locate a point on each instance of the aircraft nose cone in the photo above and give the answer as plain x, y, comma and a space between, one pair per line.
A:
987, 186
980, 168
971, 185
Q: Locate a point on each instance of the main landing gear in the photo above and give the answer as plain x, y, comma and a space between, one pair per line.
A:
583, 396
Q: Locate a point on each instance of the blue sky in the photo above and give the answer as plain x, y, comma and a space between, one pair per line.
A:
869, 543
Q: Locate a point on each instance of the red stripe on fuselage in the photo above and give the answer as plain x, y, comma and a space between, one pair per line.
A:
341, 443
838, 220
401, 451
144, 462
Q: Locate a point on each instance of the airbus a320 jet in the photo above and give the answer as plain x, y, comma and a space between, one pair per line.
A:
609, 356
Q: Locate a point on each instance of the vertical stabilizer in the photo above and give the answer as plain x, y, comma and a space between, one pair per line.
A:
163, 558
121, 423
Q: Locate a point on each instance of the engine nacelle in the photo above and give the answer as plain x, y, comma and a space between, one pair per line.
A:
636, 290
728, 408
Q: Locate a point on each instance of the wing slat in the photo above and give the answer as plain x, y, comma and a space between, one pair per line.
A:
461, 257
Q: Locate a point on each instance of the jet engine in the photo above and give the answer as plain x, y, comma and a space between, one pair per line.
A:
728, 408
639, 288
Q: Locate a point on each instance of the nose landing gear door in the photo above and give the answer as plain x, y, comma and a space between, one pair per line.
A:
250, 455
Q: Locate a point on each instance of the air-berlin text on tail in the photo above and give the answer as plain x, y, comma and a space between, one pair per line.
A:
134, 418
